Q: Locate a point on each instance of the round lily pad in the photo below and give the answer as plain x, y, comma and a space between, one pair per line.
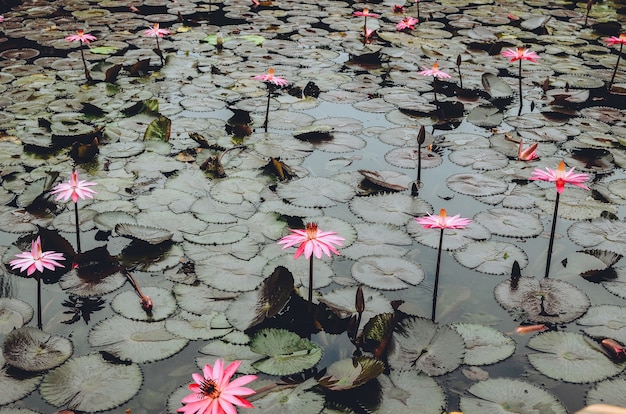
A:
608, 392
484, 345
286, 353
600, 234
542, 301
510, 222
128, 304
387, 273
135, 341
315, 192
389, 208
502, 395
491, 257
89, 383
426, 347
403, 391
14, 313
605, 321
31, 349
14, 388
476, 184
569, 356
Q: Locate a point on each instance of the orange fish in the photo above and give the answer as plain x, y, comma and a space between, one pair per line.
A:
524, 329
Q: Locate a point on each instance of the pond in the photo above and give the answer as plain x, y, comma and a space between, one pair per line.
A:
200, 170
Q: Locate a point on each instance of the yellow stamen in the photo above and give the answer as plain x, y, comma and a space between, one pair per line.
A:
561, 167
311, 231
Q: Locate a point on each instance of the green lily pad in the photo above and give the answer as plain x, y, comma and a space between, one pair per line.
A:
286, 352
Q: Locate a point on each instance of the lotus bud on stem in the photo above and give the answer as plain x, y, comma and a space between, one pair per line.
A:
146, 302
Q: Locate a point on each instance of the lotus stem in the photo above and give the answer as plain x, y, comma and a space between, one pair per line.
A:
82, 54
419, 162
619, 55
267, 108
435, 88
77, 228
39, 325
365, 30
552, 232
310, 304
159, 49
434, 311
520, 87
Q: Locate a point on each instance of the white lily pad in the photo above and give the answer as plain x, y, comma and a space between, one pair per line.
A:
569, 356
389, 208
505, 395
605, 321
509, 222
128, 304
89, 383
484, 345
476, 184
421, 345
298, 398
315, 192
14, 313
542, 301
608, 392
479, 158
491, 257
403, 391
602, 234
135, 341
225, 272
387, 272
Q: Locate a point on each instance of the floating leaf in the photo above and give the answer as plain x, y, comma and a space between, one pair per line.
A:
568, 356
485, 116
190, 326
501, 395
298, 398
602, 234
128, 304
159, 129
14, 313
510, 222
31, 349
403, 391
315, 192
391, 180
229, 352
491, 257
421, 345
484, 345
389, 208
387, 273
608, 392
384, 239
13, 388
479, 158
350, 373
341, 303
544, 301
88, 383
225, 272
496, 87
475, 184
135, 341
286, 352
202, 299
605, 321
151, 235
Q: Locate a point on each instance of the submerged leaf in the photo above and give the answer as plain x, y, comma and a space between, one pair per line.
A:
350, 373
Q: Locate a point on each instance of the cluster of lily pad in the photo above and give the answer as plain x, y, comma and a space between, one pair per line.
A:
191, 193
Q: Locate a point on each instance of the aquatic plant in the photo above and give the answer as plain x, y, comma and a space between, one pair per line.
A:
36, 261
82, 37
611, 41
520, 54
365, 14
75, 188
156, 32
270, 80
214, 392
560, 177
436, 73
442, 222
312, 242
408, 23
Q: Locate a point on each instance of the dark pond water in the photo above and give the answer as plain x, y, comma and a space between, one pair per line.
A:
371, 105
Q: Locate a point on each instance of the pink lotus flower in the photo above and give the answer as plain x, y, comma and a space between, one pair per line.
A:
443, 221
215, 393
526, 154
155, 31
73, 189
398, 8
520, 54
36, 259
312, 241
435, 71
81, 36
271, 78
366, 13
407, 23
560, 177
614, 40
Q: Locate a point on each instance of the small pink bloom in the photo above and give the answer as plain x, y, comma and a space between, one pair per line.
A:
81, 36
443, 221
73, 189
613, 40
526, 154
215, 393
133, 9
369, 33
366, 13
398, 8
520, 53
154, 31
36, 259
1, 18
435, 71
560, 177
511, 16
407, 23
312, 241
271, 78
